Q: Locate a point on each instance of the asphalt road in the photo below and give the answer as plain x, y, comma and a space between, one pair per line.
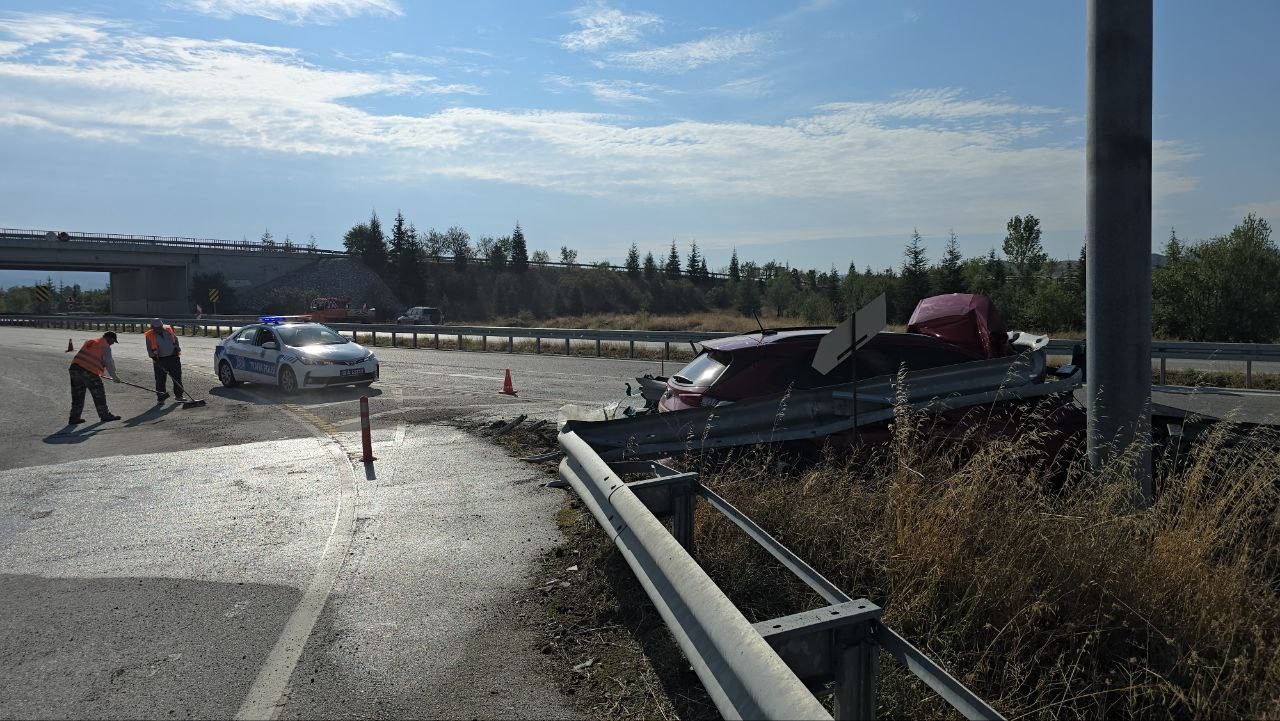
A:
233, 559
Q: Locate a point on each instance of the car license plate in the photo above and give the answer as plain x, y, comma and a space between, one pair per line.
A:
351, 371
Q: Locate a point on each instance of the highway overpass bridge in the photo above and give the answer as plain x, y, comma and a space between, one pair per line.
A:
152, 275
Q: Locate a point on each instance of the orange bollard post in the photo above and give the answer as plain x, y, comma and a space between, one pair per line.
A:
365, 439
507, 388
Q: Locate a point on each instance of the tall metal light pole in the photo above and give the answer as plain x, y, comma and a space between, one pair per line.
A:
1118, 228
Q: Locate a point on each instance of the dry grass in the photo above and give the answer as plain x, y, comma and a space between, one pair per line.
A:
1049, 604
498, 344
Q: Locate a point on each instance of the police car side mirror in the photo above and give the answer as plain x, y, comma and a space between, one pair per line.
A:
271, 345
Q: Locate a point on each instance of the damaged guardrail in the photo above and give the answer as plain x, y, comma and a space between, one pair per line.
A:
771, 669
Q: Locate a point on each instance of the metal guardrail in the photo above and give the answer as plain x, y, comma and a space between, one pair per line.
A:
770, 669
1248, 353
418, 335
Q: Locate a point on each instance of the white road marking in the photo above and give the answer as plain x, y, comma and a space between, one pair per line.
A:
269, 693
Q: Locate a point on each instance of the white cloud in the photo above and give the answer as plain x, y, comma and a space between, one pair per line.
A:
606, 91
694, 54
929, 157
749, 88
602, 26
1267, 209
297, 12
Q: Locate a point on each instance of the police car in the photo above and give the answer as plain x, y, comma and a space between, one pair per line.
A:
293, 356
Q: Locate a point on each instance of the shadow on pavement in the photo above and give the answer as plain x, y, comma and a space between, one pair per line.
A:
133, 647
155, 412
73, 434
261, 394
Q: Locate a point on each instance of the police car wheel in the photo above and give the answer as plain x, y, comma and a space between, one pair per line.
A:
288, 381
225, 375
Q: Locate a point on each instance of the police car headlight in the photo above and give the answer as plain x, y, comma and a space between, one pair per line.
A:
315, 361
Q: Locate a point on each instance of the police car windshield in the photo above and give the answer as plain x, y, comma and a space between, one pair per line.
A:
300, 336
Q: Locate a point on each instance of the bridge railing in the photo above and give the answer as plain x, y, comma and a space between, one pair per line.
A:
160, 240
429, 336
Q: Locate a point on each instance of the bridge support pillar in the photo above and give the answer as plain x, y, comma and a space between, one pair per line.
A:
156, 291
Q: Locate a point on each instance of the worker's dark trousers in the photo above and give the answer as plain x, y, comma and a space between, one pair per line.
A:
171, 365
82, 380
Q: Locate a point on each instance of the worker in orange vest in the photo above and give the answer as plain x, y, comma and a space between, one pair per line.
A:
162, 346
87, 368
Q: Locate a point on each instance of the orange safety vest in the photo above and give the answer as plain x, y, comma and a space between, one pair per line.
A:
90, 356
153, 347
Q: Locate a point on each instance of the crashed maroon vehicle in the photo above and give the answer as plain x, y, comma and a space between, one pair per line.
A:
944, 330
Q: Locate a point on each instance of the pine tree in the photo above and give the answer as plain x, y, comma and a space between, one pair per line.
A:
735, 270
915, 275
633, 262
268, 241
949, 277
650, 267
694, 266
519, 251
673, 262
398, 254
375, 248
1173, 247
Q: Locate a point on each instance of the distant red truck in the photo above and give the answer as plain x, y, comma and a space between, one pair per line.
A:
336, 310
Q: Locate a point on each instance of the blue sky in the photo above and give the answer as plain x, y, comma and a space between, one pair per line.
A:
814, 132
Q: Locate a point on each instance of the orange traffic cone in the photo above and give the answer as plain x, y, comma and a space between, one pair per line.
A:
507, 388
69, 347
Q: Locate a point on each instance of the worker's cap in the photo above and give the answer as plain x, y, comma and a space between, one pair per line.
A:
157, 323
110, 336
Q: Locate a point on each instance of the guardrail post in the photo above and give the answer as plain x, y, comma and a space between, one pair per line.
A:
484, 343
566, 347
437, 341
597, 347
631, 350
537, 345
393, 339
415, 339
666, 350
511, 344
856, 677
1248, 374
1163, 361
459, 341
682, 508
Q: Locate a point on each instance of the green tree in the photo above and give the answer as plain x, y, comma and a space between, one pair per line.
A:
673, 263
398, 253
1023, 249
268, 241
458, 244
1224, 289
780, 292
693, 268
568, 255
540, 258
375, 248
519, 251
650, 270
633, 262
748, 300
948, 276
312, 245
914, 284
735, 271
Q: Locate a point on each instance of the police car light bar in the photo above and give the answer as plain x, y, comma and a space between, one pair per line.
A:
282, 318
